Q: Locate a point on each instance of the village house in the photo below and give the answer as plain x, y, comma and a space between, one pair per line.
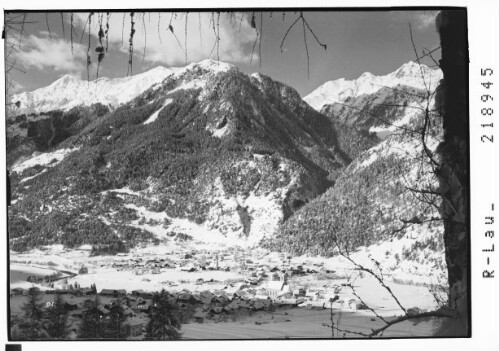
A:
103, 310
134, 326
199, 315
113, 292
83, 270
278, 288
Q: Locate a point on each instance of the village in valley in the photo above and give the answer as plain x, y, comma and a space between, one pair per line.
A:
251, 282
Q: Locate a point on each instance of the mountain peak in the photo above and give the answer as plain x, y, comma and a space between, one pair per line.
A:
411, 69
66, 79
212, 65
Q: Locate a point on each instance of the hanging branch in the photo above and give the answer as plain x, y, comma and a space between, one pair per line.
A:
253, 25
287, 32
22, 30
185, 38
212, 25
218, 37
100, 48
145, 36
241, 21
200, 35
122, 29
89, 62
216, 32
306, 49
305, 26
212, 19
260, 40
311, 31
171, 19
170, 28
107, 30
159, 32
47, 21
418, 58
71, 35
130, 45
83, 31
62, 22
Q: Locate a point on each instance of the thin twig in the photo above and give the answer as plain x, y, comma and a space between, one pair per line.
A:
22, 30
159, 32
287, 32
260, 40
47, 21
62, 22
185, 36
376, 276
306, 47
122, 29
200, 33
71, 35
315, 36
145, 36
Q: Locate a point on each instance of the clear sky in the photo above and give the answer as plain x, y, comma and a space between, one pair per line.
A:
378, 42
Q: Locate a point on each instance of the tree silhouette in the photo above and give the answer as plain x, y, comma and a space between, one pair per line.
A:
32, 323
57, 318
115, 326
454, 172
91, 324
164, 321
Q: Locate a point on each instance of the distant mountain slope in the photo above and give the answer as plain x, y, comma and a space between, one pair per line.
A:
371, 209
338, 91
208, 153
370, 108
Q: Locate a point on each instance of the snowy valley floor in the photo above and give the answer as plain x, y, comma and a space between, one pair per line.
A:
150, 268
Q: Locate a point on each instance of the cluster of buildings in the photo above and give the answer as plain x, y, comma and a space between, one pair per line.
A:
270, 282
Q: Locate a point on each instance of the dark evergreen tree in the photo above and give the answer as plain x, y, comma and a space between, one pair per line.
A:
115, 327
57, 319
165, 322
31, 325
92, 322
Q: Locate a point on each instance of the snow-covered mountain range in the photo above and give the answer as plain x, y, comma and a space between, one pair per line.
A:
410, 74
221, 153
69, 91
208, 153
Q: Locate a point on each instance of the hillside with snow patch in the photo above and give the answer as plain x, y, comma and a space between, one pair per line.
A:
209, 152
376, 211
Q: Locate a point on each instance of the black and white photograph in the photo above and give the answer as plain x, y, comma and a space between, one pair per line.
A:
242, 173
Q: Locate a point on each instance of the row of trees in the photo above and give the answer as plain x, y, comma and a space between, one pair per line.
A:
41, 321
